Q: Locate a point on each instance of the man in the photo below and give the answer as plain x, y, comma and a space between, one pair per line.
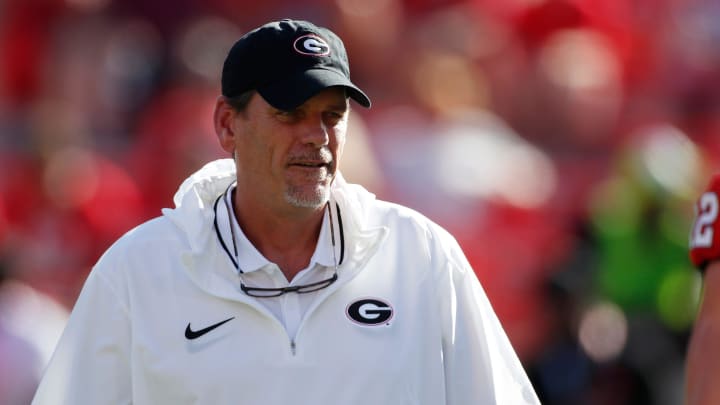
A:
273, 281
703, 358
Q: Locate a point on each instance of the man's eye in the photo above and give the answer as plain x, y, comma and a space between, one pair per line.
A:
334, 116
287, 115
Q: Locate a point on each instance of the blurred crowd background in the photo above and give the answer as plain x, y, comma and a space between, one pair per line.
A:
562, 141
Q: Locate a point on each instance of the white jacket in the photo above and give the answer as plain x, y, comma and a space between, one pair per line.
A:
439, 341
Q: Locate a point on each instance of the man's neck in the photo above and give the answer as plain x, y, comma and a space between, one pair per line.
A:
286, 238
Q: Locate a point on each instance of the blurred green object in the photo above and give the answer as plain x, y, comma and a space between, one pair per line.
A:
641, 233
677, 299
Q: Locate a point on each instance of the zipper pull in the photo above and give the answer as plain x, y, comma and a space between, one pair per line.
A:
292, 347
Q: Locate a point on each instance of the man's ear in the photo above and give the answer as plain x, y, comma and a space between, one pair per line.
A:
223, 119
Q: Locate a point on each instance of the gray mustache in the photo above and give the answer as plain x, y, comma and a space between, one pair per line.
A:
320, 156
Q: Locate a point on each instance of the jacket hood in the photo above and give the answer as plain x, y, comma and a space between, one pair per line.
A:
194, 201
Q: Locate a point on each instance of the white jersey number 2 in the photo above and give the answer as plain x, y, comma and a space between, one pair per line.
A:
703, 231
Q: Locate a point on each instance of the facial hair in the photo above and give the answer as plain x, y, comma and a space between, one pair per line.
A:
299, 195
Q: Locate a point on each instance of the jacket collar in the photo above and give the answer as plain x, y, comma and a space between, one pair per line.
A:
207, 263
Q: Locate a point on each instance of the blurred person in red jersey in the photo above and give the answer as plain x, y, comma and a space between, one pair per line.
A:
703, 367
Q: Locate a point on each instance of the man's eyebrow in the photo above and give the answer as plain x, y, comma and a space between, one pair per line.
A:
278, 110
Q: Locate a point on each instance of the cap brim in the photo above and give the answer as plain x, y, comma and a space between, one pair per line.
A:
290, 92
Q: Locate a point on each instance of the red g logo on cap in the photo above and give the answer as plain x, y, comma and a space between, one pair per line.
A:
312, 45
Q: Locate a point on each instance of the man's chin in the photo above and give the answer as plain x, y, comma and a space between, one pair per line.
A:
314, 197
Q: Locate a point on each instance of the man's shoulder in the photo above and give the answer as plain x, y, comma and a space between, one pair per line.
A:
154, 235
403, 218
155, 229
414, 233
404, 213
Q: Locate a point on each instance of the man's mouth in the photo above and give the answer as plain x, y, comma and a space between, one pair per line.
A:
310, 164
316, 160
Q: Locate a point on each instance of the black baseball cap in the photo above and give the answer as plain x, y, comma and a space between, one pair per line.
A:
287, 62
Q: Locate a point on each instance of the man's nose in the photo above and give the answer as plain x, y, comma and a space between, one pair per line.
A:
315, 132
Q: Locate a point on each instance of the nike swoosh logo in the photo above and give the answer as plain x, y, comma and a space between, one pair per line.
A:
194, 334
